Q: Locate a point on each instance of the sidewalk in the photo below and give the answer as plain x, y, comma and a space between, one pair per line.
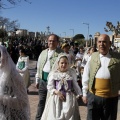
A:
33, 96
33, 92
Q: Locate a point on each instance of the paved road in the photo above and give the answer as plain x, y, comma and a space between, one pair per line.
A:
33, 96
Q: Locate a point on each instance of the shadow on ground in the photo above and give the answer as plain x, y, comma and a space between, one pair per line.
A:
33, 93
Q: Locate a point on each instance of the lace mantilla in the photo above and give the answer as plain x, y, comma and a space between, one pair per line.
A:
63, 78
14, 104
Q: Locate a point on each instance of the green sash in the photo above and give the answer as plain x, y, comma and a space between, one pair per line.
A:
44, 76
21, 65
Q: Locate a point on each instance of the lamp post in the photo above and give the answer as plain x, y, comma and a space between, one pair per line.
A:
91, 40
73, 31
48, 30
88, 30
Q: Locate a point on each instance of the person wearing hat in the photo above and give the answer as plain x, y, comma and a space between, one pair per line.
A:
66, 48
78, 59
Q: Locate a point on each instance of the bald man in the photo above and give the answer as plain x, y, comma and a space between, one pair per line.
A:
101, 82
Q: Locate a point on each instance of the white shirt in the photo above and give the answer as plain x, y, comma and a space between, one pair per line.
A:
47, 64
102, 73
79, 55
85, 59
70, 58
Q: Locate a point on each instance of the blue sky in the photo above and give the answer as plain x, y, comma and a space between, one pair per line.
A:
63, 15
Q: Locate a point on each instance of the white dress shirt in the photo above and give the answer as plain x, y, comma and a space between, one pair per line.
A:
47, 64
85, 59
79, 55
102, 73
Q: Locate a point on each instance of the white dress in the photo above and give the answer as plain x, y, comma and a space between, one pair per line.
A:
56, 109
70, 58
25, 72
85, 59
14, 103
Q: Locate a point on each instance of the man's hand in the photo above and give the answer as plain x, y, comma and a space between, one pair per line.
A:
37, 85
85, 100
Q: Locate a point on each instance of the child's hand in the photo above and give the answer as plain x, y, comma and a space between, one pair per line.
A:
85, 100
61, 96
78, 96
19, 70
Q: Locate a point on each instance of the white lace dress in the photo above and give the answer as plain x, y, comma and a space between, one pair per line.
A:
24, 72
56, 109
14, 104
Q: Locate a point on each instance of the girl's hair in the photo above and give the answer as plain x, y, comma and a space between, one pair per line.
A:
22, 50
63, 57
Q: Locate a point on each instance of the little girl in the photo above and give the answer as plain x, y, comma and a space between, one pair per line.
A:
62, 84
22, 67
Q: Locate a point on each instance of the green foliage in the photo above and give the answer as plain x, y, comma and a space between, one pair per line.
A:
79, 38
7, 24
3, 33
11, 3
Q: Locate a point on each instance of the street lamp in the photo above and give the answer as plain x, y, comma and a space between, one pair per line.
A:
73, 31
91, 40
88, 30
48, 30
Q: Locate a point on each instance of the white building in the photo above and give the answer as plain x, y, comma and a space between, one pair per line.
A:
117, 42
22, 32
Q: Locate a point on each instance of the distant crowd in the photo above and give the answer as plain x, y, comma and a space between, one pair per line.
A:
33, 48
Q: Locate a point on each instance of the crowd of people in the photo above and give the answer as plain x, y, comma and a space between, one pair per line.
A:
55, 71
65, 72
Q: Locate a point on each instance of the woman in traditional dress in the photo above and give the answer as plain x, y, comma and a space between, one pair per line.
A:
87, 54
66, 48
14, 104
22, 67
63, 88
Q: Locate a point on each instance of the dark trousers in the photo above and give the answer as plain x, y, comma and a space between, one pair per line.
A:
100, 108
42, 99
